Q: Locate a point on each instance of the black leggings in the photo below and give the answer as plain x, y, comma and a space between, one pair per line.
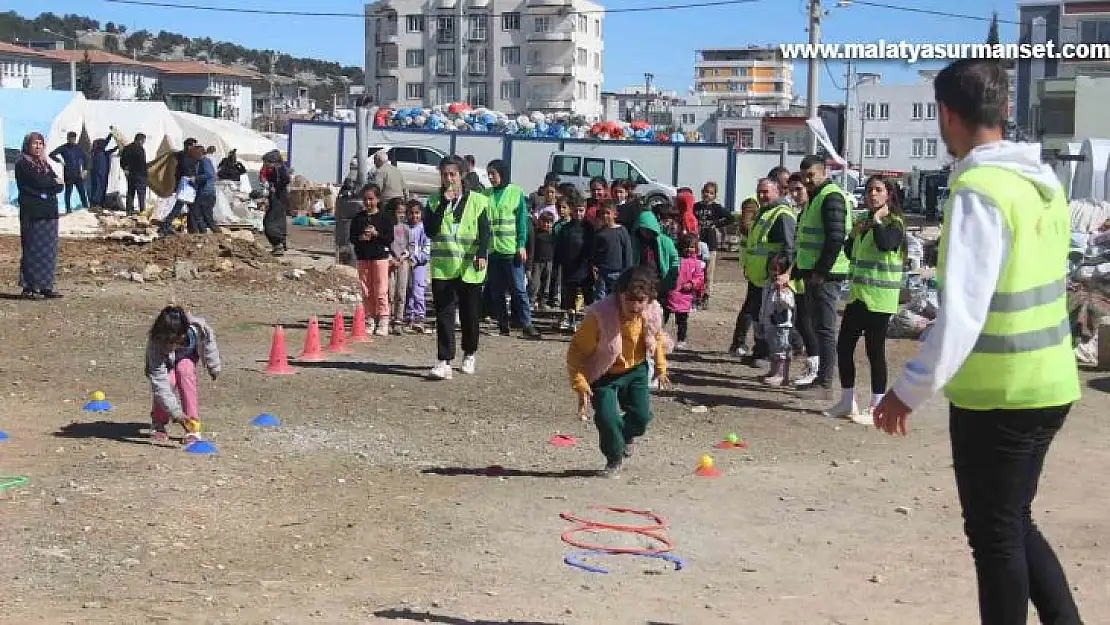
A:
859, 321
682, 320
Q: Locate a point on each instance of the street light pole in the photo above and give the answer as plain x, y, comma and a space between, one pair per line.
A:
811, 80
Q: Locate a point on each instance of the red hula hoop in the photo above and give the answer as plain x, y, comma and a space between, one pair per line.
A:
648, 531
660, 523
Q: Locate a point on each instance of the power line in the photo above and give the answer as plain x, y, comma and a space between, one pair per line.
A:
825, 62
285, 13
933, 12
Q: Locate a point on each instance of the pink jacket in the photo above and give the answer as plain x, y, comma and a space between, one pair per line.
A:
609, 334
690, 273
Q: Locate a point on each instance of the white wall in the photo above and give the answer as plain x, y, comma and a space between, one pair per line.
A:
18, 72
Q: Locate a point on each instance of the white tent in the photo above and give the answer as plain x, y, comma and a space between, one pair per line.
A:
125, 120
225, 136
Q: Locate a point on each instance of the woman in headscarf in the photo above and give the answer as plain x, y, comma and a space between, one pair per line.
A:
275, 222
230, 168
98, 173
38, 186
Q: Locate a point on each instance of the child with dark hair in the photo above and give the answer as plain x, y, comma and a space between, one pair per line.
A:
176, 343
573, 253
400, 263
688, 288
608, 363
541, 257
372, 238
612, 253
420, 253
776, 318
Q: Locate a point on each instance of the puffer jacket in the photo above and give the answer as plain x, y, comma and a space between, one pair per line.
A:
159, 364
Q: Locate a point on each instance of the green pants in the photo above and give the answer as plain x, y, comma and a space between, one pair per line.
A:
621, 409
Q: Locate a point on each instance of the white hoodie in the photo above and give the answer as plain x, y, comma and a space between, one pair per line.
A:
977, 245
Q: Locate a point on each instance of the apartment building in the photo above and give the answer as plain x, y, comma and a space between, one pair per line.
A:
118, 77
895, 126
514, 56
208, 89
754, 75
1075, 21
23, 68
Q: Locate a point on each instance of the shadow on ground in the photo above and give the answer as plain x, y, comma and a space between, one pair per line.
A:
428, 617
408, 371
106, 430
1101, 384
499, 471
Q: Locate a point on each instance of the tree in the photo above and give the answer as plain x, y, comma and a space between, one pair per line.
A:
992, 32
110, 27
156, 93
140, 90
85, 80
111, 43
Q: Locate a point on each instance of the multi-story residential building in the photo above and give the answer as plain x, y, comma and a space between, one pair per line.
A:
1073, 21
639, 104
281, 96
513, 56
208, 89
118, 77
894, 125
23, 68
753, 75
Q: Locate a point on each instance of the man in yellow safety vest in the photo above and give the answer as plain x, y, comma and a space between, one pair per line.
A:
1001, 346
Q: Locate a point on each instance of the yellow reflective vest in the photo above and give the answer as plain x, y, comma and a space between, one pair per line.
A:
811, 231
455, 247
876, 276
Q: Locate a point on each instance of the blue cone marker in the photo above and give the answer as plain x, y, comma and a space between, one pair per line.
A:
3, 436
101, 405
201, 447
265, 420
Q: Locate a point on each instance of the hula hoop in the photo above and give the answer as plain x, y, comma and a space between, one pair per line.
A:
574, 559
10, 481
635, 551
660, 523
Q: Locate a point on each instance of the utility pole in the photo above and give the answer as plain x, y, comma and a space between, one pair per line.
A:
811, 79
273, 62
648, 77
862, 122
847, 117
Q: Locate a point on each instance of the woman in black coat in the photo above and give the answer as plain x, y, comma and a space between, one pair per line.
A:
38, 219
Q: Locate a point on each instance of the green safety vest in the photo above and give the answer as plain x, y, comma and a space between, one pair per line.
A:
876, 276
811, 232
456, 245
1023, 358
502, 219
757, 249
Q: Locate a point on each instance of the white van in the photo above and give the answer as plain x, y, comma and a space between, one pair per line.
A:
578, 169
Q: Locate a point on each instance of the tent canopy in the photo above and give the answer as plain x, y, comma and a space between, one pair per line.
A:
52, 113
225, 136
126, 119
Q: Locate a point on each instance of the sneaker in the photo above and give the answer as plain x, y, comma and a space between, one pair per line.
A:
530, 332
680, 345
809, 374
468, 364
843, 409
442, 371
191, 438
383, 328
629, 448
371, 326
503, 331
740, 352
612, 469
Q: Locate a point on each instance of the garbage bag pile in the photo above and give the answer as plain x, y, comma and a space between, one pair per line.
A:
461, 117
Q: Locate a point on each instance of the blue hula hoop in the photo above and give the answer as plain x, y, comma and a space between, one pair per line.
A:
574, 559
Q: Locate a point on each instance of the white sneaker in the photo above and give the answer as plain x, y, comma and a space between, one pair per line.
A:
680, 345
843, 410
809, 374
867, 418
740, 352
383, 328
442, 371
468, 364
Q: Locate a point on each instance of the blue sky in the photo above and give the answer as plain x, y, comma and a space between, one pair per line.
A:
662, 43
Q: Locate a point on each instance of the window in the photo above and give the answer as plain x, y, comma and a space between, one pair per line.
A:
593, 168
770, 138
918, 149
620, 170
478, 58
918, 111
414, 58
543, 24
583, 24
597, 61
884, 148
597, 93
479, 94
1094, 31
478, 27
405, 155
884, 108
414, 23
747, 138
445, 63
566, 165
583, 57
510, 56
414, 90
931, 110
869, 110
510, 21
581, 90
446, 92
597, 28
931, 148
536, 57
510, 89
445, 29
869, 148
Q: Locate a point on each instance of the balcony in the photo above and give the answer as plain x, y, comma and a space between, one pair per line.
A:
550, 4
446, 4
554, 35
387, 36
554, 68
549, 103
386, 68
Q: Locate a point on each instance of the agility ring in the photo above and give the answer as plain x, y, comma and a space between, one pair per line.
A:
648, 531
574, 559
11, 481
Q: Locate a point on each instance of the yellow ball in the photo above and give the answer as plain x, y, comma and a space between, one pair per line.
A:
98, 396
706, 462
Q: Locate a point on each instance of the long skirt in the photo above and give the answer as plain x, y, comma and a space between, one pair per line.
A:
39, 241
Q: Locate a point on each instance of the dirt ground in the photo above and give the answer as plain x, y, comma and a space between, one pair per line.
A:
371, 504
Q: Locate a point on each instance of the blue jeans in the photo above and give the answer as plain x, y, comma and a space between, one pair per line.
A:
506, 273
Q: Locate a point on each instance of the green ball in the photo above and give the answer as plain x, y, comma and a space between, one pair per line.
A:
732, 438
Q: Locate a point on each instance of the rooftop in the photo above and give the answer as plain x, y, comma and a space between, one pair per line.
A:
96, 57
7, 48
189, 68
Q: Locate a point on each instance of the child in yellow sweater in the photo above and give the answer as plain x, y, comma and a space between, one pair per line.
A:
607, 363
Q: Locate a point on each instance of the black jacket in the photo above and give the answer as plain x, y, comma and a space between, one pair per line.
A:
38, 191
888, 237
710, 218
833, 212
574, 247
132, 159
378, 248
471, 182
433, 221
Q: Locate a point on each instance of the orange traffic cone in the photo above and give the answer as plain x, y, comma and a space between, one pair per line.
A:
338, 343
312, 351
279, 360
706, 468
358, 326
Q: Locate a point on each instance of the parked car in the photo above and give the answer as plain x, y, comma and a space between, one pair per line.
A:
418, 164
578, 169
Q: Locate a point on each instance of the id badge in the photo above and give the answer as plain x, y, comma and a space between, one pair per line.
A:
454, 229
